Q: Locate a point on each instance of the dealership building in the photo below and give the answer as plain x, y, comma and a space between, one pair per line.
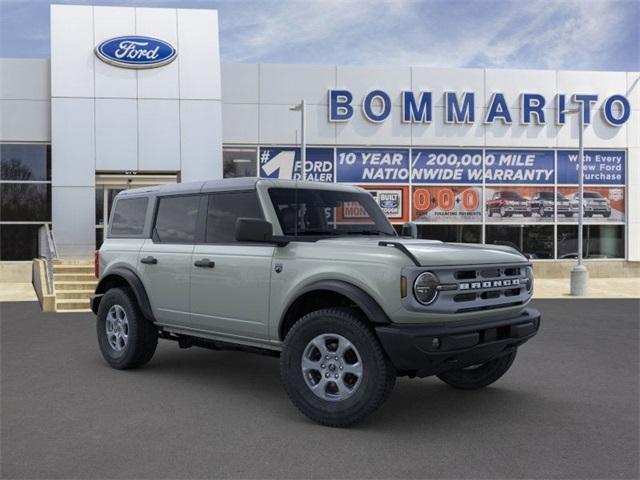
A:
470, 155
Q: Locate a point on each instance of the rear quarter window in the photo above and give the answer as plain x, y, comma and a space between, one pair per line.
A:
128, 217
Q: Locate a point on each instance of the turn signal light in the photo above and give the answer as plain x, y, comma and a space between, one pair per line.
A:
403, 287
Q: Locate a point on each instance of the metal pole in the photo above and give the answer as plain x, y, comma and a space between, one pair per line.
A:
580, 274
303, 140
581, 184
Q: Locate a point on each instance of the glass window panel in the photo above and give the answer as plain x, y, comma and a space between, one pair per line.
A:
25, 202
176, 219
598, 241
223, 211
25, 162
533, 240
18, 242
128, 217
239, 162
451, 233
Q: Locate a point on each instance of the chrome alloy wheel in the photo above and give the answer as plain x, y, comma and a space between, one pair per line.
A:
117, 328
332, 367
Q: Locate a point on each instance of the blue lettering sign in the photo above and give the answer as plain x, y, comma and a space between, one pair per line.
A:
532, 105
561, 101
385, 106
612, 118
498, 109
456, 113
135, 51
446, 166
419, 112
601, 167
340, 109
585, 101
285, 163
518, 166
372, 165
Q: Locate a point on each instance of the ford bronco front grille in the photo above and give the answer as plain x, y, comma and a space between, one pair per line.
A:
481, 287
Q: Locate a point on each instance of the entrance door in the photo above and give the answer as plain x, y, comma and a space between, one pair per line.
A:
109, 185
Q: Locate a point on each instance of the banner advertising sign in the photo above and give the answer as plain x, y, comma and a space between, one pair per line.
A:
285, 163
449, 203
601, 205
523, 204
436, 165
518, 166
372, 165
394, 201
600, 167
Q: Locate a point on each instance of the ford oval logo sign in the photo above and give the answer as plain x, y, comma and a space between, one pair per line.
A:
134, 51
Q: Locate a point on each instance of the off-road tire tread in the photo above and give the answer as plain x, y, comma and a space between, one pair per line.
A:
385, 371
482, 376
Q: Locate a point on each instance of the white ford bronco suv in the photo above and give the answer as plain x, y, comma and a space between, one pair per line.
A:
316, 274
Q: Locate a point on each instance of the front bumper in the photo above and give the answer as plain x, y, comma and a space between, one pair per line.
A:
424, 350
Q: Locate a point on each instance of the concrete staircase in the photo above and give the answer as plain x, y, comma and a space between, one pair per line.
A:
73, 285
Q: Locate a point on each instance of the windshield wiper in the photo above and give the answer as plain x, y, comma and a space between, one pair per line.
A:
319, 232
367, 232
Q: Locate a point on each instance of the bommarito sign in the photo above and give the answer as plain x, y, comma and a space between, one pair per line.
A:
460, 108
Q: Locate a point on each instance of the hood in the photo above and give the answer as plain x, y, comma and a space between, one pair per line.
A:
436, 253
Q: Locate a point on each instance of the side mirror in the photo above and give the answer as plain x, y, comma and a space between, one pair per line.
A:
410, 230
253, 230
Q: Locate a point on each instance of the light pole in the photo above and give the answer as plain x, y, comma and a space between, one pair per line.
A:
580, 274
303, 140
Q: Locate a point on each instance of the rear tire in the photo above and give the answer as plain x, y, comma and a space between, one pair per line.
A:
126, 338
476, 377
319, 354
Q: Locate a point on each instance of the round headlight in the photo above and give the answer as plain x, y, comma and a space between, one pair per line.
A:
529, 279
424, 288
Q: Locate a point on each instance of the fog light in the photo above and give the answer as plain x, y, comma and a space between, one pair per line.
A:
435, 343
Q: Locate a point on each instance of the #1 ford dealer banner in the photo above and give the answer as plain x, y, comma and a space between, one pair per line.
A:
285, 163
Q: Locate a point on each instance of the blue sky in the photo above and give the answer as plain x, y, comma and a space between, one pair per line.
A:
559, 34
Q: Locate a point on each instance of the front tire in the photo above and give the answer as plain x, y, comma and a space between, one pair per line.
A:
334, 369
479, 376
126, 338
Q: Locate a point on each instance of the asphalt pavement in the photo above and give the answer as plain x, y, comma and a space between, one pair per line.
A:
568, 408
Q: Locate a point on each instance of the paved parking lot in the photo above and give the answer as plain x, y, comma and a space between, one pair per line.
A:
567, 409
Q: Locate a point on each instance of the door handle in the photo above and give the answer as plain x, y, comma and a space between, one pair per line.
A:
149, 260
204, 263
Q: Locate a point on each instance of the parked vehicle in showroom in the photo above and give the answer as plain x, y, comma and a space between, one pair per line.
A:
316, 274
594, 204
543, 203
507, 203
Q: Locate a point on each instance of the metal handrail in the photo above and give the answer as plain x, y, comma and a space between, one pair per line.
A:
50, 252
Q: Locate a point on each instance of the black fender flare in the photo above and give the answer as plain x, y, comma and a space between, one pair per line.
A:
362, 299
133, 281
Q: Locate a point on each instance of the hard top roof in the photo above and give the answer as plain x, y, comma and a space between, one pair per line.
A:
228, 184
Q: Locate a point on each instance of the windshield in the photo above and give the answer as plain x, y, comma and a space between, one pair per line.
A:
592, 195
546, 195
512, 196
328, 212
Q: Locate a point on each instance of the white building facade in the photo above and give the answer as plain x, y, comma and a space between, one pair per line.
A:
472, 155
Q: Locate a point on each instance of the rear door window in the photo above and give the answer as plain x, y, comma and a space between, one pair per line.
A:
223, 211
176, 219
128, 217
